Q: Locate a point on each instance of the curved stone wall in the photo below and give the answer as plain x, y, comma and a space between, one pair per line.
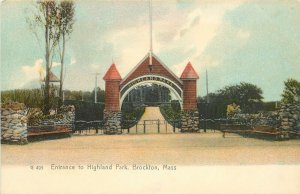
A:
14, 123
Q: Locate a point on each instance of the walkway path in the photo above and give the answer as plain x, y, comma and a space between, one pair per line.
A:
180, 149
151, 117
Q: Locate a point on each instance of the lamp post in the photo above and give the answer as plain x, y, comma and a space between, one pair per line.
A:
95, 90
206, 103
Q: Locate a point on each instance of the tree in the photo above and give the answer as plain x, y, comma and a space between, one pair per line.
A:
32, 98
152, 94
46, 18
74, 95
246, 95
66, 12
100, 95
291, 92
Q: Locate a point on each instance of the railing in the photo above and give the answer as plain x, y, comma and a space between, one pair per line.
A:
127, 125
241, 126
212, 124
160, 126
80, 126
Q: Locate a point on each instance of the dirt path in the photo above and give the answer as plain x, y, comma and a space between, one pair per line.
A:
152, 116
181, 149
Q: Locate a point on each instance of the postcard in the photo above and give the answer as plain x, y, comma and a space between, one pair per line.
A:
150, 96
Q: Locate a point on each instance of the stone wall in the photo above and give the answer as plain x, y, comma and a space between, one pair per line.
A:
65, 115
286, 119
189, 121
289, 115
264, 118
15, 117
68, 113
112, 122
14, 123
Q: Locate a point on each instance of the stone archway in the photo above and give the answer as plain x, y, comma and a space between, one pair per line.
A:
150, 70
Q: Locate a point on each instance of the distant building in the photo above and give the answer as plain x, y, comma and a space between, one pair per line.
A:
54, 83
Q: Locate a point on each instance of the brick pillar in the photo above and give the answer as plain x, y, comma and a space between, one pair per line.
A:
112, 95
189, 114
190, 94
112, 114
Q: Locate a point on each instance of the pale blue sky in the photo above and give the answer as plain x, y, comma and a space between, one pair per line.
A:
236, 40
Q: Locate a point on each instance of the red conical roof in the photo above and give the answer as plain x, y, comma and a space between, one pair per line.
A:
112, 73
189, 72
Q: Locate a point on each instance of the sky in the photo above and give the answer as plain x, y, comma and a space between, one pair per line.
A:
255, 41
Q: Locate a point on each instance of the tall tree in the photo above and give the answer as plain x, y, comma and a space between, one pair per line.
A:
100, 95
247, 95
244, 94
46, 18
291, 92
66, 12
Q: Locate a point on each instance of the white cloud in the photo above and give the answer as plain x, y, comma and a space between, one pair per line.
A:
134, 42
189, 30
200, 27
32, 74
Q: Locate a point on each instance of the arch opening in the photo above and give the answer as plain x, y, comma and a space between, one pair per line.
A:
159, 81
150, 102
149, 94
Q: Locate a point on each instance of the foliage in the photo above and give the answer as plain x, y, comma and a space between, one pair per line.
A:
149, 94
31, 98
66, 12
247, 95
45, 18
152, 94
232, 109
85, 108
171, 112
291, 92
36, 117
100, 95
130, 112
86, 111
52, 21
85, 95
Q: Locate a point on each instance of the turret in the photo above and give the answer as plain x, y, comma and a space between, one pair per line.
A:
112, 80
189, 78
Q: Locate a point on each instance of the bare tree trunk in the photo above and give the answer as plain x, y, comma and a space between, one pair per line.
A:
62, 56
46, 107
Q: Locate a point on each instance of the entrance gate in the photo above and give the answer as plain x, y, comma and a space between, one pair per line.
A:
151, 70
151, 127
